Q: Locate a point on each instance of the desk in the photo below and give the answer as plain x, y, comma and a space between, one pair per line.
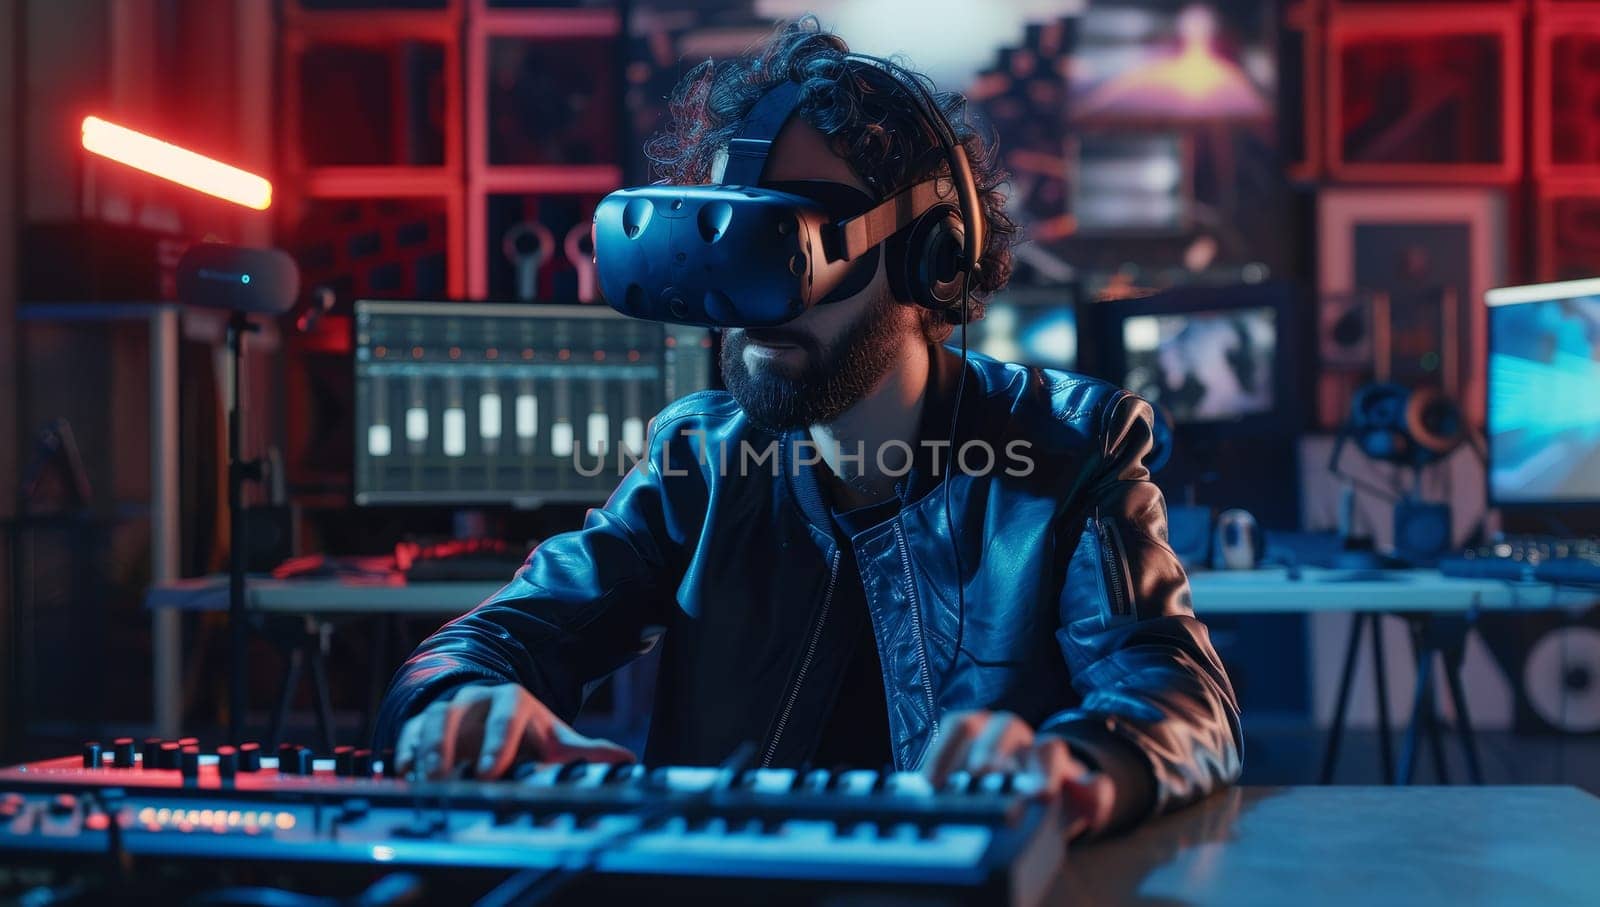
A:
1272, 590
1440, 612
1266, 591
1310, 846
316, 600
1439, 609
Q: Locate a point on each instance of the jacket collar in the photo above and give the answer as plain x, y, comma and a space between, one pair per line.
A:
944, 372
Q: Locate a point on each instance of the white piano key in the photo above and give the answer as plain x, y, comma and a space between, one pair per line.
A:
591, 776
543, 776
688, 778
909, 784
857, 781
816, 779
773, 780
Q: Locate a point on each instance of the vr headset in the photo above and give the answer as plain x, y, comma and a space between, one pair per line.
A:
745, 253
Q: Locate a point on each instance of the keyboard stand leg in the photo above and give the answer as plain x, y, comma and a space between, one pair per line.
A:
280, 712
1425, 632
1454, 657
1380, 679
1421, 709
1330, 756
319, 683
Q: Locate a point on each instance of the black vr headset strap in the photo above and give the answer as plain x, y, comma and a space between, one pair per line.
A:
747, 150
864, 231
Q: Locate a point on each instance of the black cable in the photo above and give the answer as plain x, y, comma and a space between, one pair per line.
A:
946, 135
537, 886
116, 849
949, 521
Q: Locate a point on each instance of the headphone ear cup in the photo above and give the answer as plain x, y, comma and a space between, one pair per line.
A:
925, 262
939, 273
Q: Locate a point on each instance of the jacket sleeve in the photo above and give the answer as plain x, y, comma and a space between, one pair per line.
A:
1158, 713
584, 604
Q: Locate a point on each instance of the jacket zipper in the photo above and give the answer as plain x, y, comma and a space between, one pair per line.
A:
1111, 559
805, 663
916, 622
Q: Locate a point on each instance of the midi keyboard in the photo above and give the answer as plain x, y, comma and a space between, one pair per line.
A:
678, 833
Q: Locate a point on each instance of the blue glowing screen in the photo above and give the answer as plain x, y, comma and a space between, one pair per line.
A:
1033, 327
1544, 399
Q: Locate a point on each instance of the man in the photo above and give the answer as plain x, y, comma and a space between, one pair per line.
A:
812, 604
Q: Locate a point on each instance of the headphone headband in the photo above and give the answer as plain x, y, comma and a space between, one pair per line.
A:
750, 146
972, 221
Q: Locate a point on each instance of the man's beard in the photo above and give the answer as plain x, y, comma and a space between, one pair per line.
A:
832, 378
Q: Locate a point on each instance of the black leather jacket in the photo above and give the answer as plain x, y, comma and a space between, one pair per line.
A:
1077, 614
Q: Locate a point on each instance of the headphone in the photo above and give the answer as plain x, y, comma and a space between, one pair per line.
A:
933, 262
1400, 425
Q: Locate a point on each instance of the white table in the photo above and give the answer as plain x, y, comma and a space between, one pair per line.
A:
1273, 591
1439, 608
1267, 591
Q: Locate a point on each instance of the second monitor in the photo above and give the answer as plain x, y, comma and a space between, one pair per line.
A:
1221, 361
477, 403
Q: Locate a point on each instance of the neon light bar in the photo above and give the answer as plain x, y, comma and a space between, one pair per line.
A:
180, 165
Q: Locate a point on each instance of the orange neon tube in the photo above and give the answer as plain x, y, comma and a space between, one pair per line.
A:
180, 165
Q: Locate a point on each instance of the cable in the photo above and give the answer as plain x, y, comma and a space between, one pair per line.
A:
947, 138
115, 848
537, 886
949, 521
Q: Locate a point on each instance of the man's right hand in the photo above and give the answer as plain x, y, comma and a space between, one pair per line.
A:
490, 728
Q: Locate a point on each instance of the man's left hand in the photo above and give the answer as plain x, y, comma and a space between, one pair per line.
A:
983, 741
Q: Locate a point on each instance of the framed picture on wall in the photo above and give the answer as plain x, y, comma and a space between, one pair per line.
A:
1422, 260
1420, 93
1569, 229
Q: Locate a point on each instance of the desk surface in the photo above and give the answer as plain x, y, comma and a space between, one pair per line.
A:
1269, 591
1352, 845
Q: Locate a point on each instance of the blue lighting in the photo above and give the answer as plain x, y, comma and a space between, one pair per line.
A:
244, 278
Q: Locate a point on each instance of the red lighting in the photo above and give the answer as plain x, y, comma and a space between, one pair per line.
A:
180, 165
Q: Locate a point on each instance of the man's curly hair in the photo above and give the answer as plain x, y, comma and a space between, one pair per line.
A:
872, 121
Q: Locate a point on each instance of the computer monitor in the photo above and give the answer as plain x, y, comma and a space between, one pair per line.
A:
470, 404
1220, 360
1029, 325
1543, 417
